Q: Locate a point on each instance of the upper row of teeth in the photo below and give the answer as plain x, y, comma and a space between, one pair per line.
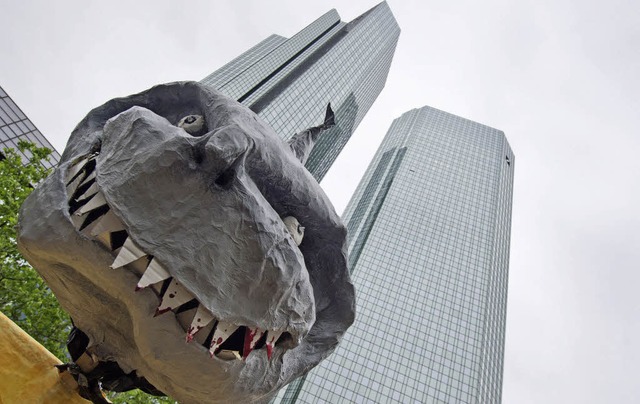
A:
80, 175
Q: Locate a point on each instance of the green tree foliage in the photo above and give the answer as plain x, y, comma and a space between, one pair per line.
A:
138, 397
24, 297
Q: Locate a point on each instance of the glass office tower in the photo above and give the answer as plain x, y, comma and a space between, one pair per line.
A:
15, 126
288, 82
429, 229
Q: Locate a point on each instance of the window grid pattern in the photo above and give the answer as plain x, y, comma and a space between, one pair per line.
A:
354, 253
350, 76
286, 71
342, 63
431, 279
279, 56
15, 126
494, 327
232, 69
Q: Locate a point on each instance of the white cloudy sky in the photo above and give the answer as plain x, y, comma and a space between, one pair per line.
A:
560, 78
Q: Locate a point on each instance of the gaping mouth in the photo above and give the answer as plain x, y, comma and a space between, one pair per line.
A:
93, 217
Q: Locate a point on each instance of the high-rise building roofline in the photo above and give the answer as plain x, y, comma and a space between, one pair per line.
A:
289, 82
429, 235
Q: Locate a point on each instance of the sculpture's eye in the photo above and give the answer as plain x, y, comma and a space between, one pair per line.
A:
193, 125
294, 228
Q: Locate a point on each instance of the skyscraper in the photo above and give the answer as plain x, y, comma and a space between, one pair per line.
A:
288, 82
15, 126
429, 230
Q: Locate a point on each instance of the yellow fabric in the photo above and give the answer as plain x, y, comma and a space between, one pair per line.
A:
27, 374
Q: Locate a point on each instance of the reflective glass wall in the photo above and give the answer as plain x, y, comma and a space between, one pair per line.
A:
288, 82
15, 126
429, 229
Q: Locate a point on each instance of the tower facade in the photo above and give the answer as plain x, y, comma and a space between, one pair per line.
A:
429, 232
288, 82
15, 126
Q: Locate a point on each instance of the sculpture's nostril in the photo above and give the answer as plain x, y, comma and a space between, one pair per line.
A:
225, 179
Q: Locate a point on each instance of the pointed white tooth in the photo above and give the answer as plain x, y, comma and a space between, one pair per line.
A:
175, 296
89, 178
107, 223
251, 337
71, 188
202, 318
154, 273
223, 331
128, 253
95, 202
75, 169
272, 337
90, 191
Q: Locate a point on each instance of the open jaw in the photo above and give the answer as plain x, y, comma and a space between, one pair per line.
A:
93, 217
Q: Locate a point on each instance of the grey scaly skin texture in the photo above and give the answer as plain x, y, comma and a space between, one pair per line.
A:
161, 232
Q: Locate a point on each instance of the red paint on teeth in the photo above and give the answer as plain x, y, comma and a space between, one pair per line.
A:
138, 288
248, 337
269, 351
217, 344
159, 312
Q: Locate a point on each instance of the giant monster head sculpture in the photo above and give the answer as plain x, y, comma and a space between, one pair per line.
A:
191, 246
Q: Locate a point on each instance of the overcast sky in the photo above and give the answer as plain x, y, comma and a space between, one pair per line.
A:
560, 78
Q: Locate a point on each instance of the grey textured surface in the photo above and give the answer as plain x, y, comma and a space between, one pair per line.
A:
209, 209
302, 143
